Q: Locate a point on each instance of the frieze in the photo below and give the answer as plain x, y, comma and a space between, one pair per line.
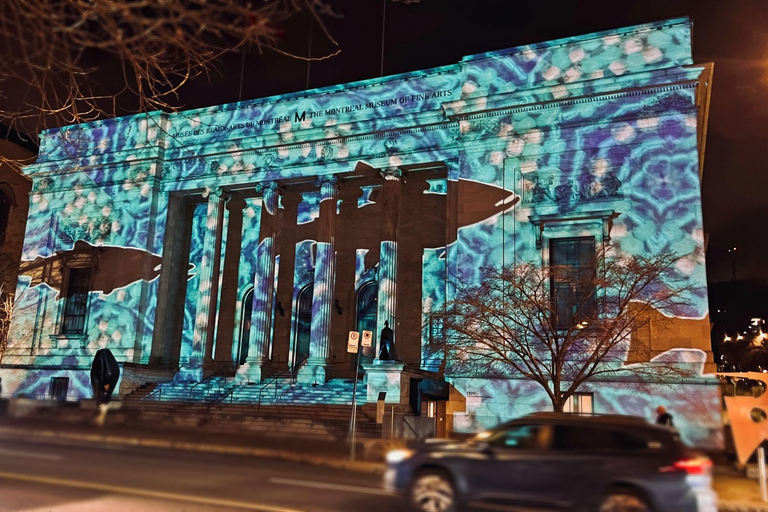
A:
555, 188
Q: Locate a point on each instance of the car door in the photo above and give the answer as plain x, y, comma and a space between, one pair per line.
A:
517, 469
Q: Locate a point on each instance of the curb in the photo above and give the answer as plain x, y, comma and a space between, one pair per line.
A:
358, 466
732, 506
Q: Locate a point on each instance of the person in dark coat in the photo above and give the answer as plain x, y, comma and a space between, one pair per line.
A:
663, 418
105, 373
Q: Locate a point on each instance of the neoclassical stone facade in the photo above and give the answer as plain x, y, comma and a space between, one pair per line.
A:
256, 235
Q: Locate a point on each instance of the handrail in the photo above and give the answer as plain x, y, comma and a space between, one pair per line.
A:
220, 370
156, 391
296, 367
275, 378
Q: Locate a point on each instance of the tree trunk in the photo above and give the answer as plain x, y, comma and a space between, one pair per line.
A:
558, 405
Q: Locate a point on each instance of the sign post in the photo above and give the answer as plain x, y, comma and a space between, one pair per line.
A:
353, 348
761, 473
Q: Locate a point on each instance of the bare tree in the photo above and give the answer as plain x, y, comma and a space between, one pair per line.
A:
6, 315
560, 326
54, 51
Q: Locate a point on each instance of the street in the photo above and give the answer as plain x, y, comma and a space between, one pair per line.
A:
37, 477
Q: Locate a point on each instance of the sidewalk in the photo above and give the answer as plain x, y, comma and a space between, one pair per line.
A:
736, 492
320, 453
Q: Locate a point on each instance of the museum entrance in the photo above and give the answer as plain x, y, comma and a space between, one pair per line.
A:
303, 331
245, 330
367, 301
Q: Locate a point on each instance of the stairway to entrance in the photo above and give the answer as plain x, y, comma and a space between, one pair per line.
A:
277, 408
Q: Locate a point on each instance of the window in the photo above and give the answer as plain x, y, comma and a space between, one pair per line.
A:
436, 329
76, 301
576, 438
579, 403
522, 437
596, 439
5, 211
59, 388
572, 282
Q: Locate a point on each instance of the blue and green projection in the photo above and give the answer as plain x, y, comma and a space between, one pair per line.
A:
258, 234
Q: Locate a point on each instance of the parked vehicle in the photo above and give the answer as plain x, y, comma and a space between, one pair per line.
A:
554, 461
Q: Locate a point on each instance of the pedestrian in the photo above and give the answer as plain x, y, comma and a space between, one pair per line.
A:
663, 418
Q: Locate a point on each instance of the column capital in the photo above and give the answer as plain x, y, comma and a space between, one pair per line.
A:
330, 180
391, 173
216, 192
270, 185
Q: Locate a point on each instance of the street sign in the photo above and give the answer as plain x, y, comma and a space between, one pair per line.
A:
367, 338
352, 342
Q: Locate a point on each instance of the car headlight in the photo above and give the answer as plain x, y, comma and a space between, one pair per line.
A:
398, 456
482, 436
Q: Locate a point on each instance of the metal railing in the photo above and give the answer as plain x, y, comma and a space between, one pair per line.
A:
275, 378
157, 393
221, 370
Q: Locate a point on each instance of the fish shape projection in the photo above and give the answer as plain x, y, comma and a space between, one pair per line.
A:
114, 267
748, 415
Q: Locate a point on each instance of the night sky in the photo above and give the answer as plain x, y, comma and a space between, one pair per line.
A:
430, 33
732, 34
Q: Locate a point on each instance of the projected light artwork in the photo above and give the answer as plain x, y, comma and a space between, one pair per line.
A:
158, 236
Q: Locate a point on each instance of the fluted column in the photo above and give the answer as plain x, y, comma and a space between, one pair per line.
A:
207, 294
319, 347
390, 217
263, 285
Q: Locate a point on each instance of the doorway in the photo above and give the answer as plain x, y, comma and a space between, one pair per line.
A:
303, 332
367, 302
245, 330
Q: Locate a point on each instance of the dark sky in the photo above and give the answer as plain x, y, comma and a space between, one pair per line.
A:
733, 34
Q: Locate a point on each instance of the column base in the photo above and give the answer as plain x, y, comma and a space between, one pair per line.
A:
314, 372
191, 371
388, 377
252, 372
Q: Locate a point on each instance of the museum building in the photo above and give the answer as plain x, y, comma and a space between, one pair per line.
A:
247, 240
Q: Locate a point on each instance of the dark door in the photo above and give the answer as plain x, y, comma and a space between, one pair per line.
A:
303, 325
245, 331
367, 300
59, 388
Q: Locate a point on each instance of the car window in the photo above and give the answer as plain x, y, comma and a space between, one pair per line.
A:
522, 437
597, 439
572, 438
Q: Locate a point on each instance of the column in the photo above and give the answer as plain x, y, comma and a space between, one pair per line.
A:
390, 216
263, 286
322, 299
207, 296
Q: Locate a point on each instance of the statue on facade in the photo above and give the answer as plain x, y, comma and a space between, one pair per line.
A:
565, 192
387, 344
611, 185
540, 193
585, 186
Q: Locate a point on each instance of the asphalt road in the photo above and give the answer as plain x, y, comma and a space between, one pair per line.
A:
39, 477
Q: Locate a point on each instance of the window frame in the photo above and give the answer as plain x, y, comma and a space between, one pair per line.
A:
83, 294
495, 440
569, 403
588, 308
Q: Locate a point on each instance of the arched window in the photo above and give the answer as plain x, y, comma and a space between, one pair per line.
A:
245, 330
6, 200
367, 301
303, 329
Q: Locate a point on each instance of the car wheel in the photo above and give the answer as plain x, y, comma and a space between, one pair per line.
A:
432, 491
622, 500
